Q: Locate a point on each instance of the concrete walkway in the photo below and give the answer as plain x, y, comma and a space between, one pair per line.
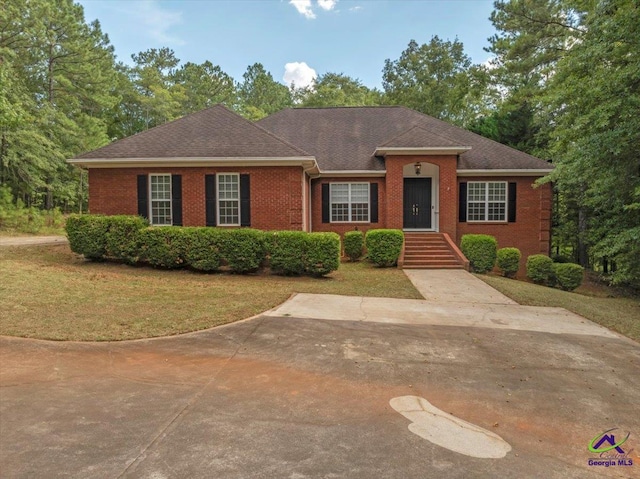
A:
32, 240
454, 286
452, 298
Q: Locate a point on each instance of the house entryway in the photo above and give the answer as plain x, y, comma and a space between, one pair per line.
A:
430, 251
417, 203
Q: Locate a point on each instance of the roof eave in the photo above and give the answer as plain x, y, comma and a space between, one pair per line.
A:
353, 173
307, 162
384, 151
506, 172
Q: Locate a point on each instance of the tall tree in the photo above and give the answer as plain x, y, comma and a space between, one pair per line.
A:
260, 95
160, 98
337, 89
204, 85
61, 68
595, 100
436, 78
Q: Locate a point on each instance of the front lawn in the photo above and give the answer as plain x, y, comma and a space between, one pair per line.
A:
48, 292
598, 303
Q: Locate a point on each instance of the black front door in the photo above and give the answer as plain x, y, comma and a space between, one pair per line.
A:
417, 203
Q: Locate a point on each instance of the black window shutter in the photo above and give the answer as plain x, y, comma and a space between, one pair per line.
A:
325, 203
373, 193
462, 203
143, 196
512, 202
245, 201
176, 200
210, 199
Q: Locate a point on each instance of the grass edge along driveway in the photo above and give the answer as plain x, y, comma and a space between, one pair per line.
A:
47, 292
598, 303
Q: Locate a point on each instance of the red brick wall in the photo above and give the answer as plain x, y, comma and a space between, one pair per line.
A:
276, 193
531, 231
341, 228
448, 190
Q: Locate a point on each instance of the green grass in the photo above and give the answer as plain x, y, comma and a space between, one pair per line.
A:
598, 303
48, 292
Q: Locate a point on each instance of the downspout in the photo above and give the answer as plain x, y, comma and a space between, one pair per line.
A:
304, 201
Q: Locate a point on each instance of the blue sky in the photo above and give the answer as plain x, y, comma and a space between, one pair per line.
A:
296, 37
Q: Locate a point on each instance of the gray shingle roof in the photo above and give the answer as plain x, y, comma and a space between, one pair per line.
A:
417, 137
345, 138
212, 133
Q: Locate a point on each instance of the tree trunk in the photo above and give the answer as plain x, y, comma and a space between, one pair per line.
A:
583, 253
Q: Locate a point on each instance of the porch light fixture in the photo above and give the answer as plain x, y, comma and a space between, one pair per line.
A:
418, 168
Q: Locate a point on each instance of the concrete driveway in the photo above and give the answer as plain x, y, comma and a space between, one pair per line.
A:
289, 395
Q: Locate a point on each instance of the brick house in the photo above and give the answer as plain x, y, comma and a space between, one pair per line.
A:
328, 169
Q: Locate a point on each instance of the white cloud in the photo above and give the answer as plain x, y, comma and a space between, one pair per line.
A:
304, 8
327, 4
355, 9
157, 21
299, 74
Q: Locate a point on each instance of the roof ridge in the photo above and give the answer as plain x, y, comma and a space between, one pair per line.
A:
337, 107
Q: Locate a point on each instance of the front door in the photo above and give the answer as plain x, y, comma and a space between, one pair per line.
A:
417, 203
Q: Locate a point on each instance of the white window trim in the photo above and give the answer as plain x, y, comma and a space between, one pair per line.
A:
486, 202
151, 199
368, 220
218, 175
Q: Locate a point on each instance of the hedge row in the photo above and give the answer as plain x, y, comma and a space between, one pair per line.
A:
130, 239
542, 270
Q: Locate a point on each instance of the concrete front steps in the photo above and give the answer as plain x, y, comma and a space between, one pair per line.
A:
431, 251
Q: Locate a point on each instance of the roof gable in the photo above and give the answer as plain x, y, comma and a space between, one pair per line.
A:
212, 133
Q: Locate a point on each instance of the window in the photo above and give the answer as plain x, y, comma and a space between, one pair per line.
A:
349, 202
229, 199
487, 201
160, 199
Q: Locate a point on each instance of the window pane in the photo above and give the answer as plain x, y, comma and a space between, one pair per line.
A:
496, 212
229, 213
476, 191
476, 211
340, 212
228, 187
359, 193
339, 193
359, 212
497, 192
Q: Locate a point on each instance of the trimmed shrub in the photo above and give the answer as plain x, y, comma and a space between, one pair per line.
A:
122, 237
384, 246
243, 249
353, 243
287, 250
509, 261
323, 253
163, 246
88, 235
203, 248
568, 275
480, 250
540, 269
